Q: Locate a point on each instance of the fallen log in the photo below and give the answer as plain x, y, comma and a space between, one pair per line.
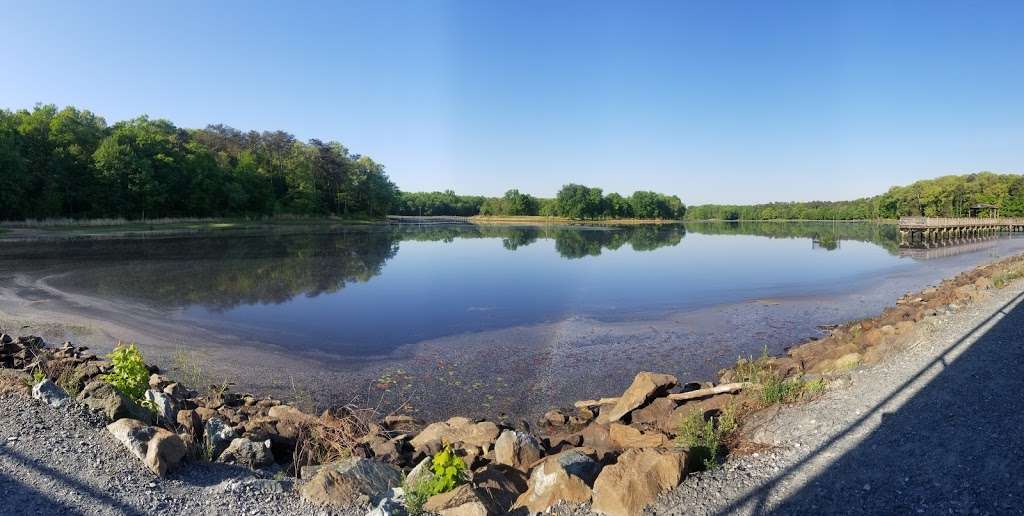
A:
710, 391
679, 396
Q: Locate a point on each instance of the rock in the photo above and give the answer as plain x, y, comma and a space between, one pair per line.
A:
342, 484
847, 361
290, 413
464, 500
565, 477
517, 449
49, 393
158, 448
244, 452
502, 483
205, 413
190, 422
158, 382
176, 391
657, 414
217, 436
391, 505
457, 430
401, 423
596, 436
420, 473
623, 436
555, 417
644, 387
100, 396
639, 476
166, 408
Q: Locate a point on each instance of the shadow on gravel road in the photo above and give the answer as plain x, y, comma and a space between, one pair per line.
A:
955, 447
23, 498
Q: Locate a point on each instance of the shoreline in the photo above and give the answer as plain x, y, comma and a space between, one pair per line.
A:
647, 413
520, 370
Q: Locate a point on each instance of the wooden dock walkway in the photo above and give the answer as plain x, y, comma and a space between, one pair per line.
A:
929, 231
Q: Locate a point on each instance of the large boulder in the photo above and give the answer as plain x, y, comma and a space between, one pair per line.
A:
244, 452
623, 436
645, 386
657, 414
464, 500
517, 449
342, 484
100, 396
565, 477
48, 392
457, 430
158, 448
639, 476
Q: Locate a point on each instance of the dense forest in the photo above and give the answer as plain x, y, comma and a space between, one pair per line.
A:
947, 196
69, 163
573, 201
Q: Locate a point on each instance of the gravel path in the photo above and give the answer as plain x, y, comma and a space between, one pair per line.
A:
63, 461
938, 429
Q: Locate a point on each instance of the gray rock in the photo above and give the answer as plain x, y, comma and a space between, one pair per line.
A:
48, 392
218, 436
244, 452
345, 483
166, 407
102, 397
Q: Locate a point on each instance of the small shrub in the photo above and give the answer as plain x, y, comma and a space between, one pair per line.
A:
130, 375
38, 376
449, 472
704, 439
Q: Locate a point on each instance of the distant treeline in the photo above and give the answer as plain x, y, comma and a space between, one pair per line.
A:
947, 196
573, 201
70, 163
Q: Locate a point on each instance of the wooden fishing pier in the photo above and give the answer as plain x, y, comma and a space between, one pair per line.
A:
936, 231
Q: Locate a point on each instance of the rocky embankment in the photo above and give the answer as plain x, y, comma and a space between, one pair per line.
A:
609, 455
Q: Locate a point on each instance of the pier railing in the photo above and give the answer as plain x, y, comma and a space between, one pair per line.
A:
957, 222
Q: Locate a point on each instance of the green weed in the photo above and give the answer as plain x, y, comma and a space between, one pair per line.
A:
130, 375
704, 439
449, 471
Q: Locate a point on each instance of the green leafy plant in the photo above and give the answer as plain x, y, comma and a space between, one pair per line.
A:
703, 438
38, 376
130, 375
449, 471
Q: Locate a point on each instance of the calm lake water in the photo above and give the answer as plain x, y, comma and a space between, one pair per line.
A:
364, 291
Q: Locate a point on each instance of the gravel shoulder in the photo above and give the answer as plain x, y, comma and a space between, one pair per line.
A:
935, 429
63, 461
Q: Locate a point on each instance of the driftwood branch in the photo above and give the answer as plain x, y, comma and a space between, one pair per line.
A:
679, 396
710, 391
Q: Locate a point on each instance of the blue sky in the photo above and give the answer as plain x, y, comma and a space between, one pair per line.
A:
715, 101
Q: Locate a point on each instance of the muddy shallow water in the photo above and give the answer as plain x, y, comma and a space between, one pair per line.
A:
469, 319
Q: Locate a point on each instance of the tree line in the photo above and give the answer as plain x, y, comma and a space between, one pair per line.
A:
573, 201
69, 163
946, 196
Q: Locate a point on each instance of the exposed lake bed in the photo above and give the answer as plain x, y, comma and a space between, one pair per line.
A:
463, 319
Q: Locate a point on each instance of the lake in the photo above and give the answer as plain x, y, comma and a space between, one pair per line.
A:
365, 301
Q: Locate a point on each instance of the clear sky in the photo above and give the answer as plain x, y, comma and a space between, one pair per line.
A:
716, 101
